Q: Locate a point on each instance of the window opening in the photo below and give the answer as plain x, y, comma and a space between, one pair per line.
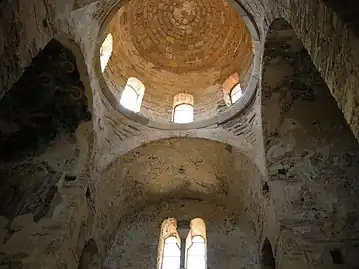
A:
132, 94
186, 246
232, 90
196, 253
105, 51
183, 113
171, 253
183, 108
236, 93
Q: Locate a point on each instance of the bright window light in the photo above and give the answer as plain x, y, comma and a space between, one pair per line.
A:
196, 253
236, 93
105, 51
129, 98
183, 113
132, 94
171, 254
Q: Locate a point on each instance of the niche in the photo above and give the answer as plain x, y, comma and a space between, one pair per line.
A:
337, 256
89, 258
267, 258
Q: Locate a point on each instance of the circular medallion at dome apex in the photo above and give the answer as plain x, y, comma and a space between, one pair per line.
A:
182, 36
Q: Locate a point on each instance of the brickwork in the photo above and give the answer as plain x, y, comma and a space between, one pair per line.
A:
190, 45
89, 192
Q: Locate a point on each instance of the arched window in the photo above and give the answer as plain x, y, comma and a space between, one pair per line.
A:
190, 240
171, 253
196, 245
132, 94
105, 51
196, 253
236, 93
183, 108
232, 90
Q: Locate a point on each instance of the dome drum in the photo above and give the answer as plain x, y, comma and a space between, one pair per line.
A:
180, 46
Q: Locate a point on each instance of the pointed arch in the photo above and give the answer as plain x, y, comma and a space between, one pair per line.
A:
267, 258
90, 258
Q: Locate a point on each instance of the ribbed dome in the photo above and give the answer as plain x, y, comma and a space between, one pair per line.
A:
176, 46
184, 36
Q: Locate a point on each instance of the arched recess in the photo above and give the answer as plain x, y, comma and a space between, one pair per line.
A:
136, 242
311, 154
41, 120
90, 258
221, 136
267, 258
184, 168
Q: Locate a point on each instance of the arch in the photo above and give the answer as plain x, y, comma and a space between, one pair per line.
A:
106, 51
333, 52
267, 258
132, 94
196, 245
198, 228
306, 140
42, 118
183, 108
169, 246
222, 136
90, 258
203, 171
68, 42
144, 234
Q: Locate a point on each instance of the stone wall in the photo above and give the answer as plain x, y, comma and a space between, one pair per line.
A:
229, 244
331, 43
44, 147
65, 235
196, 169
169, 57
311, 156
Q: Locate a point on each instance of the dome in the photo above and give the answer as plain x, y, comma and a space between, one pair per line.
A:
173, 47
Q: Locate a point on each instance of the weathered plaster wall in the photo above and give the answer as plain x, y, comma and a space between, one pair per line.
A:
183, 168
332, 45
51, 18
311, 156
119, 134
230, 243
44, 145
26, 28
